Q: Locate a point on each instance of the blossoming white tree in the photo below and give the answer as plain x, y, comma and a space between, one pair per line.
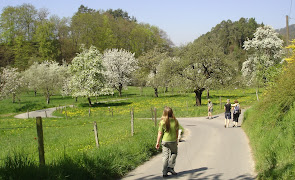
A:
265, 50
10, 83
88, 74
119, 64
48, 77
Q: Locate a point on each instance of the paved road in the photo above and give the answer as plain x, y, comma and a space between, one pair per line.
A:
43, 113
209, 151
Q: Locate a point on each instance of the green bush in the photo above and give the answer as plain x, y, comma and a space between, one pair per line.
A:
270, 125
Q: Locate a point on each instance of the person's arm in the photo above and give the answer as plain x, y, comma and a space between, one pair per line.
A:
158, 139
177, 132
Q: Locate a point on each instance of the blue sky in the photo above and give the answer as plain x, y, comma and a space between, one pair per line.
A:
182, 20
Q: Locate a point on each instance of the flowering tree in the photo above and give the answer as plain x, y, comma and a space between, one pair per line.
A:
10, 83
265, 51
48, 77
119, 66
88, 74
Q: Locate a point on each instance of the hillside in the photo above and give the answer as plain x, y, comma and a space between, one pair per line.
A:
282, 32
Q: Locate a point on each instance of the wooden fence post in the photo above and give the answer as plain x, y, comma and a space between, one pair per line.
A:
66, 113
220, 102
40, 141
89, 113
96, 134
45, 114
28, 113
132, 122
155, 110
152, 111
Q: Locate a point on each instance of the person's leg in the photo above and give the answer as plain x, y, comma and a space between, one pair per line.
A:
225, 119
172, 159
165, 156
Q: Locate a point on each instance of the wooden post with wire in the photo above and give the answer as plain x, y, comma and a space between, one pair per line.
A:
155, 113
132, 122
152, 111
96, 134
40, 141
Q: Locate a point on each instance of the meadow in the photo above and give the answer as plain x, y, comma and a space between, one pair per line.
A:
70, 149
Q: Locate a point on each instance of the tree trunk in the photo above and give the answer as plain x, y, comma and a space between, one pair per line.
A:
141, 90
120, 89
89, 101
13, 98
208, 94
35, 93
166, 90
76, 99
156, 92
198, 93
48, 96
257, 91
47, 99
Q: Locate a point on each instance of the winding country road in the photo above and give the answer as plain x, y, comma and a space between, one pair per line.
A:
208, 151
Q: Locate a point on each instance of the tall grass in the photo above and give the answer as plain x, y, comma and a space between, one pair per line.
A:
70, 150
270, 125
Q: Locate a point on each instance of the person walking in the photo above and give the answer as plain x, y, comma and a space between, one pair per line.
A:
236, 113
227, 109
168, 129
210, 109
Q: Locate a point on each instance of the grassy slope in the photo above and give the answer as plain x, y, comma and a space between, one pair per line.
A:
270, 125
69, 143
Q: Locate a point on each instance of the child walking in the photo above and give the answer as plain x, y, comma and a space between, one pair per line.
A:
168, 128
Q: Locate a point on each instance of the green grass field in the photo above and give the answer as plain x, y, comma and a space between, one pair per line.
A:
70, 150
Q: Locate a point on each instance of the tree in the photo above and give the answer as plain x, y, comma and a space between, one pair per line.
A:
203, 66
88, 74
265, 51
48, 77
48, 45
10, 83
148, 64
119, 64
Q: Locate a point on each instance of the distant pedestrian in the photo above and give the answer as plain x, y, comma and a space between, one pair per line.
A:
227, 109
236, 113
210, 109
168, 129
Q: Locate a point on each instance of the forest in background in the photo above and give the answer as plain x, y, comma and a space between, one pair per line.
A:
30, 35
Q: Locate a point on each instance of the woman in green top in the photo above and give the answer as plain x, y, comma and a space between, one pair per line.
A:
168, 128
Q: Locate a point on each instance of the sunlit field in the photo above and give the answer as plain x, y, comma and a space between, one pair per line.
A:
70, 148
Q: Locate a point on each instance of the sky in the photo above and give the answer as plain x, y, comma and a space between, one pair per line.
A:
182, 20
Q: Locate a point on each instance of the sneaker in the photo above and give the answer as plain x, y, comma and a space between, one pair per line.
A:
165, 175
234, 126
171, 170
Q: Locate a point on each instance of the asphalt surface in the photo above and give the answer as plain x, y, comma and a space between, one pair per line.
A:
208, 151
44, 113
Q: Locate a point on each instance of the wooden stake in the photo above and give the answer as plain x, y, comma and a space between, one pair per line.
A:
132, 122
40, 141
96, 134
220, 102
152, 111
45, 114
89, 113
28, 114
155, 117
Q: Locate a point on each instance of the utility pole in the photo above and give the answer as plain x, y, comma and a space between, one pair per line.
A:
287, 28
